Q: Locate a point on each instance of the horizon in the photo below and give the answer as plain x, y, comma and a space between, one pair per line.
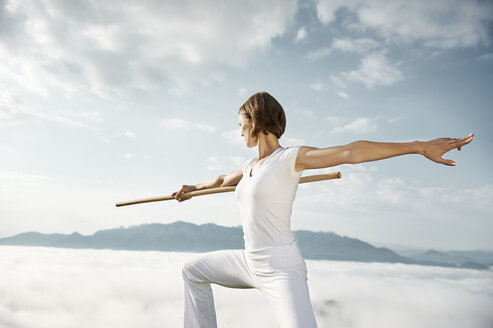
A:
393, 247
102, 103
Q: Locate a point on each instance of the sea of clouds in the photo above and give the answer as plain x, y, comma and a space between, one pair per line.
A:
56, 287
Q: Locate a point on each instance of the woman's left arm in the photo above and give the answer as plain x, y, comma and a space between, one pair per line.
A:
367, 151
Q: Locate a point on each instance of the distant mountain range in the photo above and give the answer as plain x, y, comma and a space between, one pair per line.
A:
181, 236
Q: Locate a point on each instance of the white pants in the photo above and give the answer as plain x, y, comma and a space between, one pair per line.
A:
278, 272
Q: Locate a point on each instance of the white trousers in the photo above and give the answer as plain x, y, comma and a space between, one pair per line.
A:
279, 272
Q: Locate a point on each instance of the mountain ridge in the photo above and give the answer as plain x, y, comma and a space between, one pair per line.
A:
183, 236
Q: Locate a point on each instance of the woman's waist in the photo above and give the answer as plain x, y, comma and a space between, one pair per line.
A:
279, 256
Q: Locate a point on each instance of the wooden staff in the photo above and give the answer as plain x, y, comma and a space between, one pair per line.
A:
187, 195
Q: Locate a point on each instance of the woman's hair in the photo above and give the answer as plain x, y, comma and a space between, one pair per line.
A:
265, 113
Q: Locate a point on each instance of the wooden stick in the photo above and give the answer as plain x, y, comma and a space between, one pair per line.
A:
187, 195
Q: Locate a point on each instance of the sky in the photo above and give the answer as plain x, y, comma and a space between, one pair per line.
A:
56, 287
102, 103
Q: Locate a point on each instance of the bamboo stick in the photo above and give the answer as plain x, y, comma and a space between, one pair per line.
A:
187, 195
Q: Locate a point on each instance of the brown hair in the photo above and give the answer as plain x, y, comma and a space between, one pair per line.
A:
265, 113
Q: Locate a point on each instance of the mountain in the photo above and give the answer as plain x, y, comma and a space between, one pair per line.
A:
178, 236
187, 237
463, 259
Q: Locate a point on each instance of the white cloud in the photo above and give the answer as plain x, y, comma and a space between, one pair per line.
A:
233, 136
361, 46
486, 57
319, 53
130, 134
305, 112
301, 35
338, 81
95, 117
310, 114
213, 163
360, 125
290, 141
342, 94
178, 123
242, 92
15, 110
177, 91
129, 156
54, 287
366, 198
96, 46
21, 177
225, 163
374, 70
392, 120
238, 160
316, 86
438, 24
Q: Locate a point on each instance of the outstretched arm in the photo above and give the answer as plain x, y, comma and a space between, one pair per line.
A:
224, 180
367, 151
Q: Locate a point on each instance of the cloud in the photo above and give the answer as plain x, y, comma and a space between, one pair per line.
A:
308, 113
233, 136
15, 110
374, 70
95, 117
316, 86
360, 125
54, 287
178, 123
242, 91
438, 24
366, 199
225, 163
96, 46
129, 156
395, 295
177, 91
338, 81
319, 53
486, 57
21, 177
290, 141
361, 46
342, 94
301, 35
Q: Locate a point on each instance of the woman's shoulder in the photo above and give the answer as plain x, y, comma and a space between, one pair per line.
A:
247, 163
290, 150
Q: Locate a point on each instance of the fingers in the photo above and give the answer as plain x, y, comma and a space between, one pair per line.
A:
177, 194
447, 162
459, 142
181, 195
463, 141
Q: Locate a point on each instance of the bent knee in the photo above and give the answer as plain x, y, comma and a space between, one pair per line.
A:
189, 269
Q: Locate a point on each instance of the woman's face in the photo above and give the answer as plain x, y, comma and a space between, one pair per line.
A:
246, 128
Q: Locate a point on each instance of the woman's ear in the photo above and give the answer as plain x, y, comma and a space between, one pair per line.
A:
253, 130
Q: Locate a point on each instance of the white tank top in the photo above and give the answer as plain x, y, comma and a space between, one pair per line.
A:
266, 199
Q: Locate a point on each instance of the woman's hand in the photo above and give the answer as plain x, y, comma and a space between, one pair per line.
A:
179, 194
434, 149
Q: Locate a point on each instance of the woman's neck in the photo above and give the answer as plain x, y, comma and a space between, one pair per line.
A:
266, 145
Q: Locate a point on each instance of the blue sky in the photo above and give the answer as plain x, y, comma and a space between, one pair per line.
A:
102, 103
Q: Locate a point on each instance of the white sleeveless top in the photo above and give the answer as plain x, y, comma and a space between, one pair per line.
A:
266, 199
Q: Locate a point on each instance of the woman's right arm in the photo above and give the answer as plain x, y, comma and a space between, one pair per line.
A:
224, 180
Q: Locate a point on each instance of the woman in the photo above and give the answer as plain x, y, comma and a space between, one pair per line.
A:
266, 188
